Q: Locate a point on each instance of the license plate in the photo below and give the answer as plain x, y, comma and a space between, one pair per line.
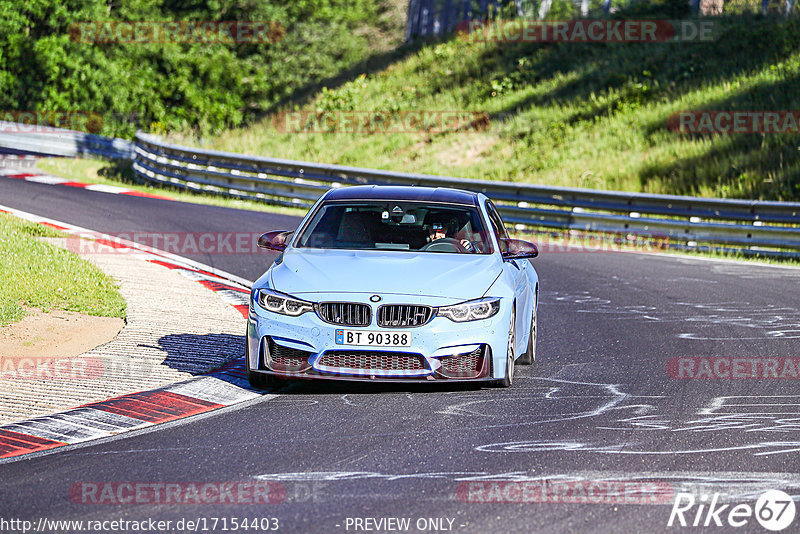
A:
366, 338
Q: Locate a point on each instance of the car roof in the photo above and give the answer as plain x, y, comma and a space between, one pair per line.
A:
408, 193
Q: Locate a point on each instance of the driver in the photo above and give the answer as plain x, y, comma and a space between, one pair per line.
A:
436, 231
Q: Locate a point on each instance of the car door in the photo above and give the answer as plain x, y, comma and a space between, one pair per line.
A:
517, 271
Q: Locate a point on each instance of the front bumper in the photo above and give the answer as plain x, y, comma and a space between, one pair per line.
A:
305, 347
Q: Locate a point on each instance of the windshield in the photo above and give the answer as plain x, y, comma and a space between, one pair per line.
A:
401, 226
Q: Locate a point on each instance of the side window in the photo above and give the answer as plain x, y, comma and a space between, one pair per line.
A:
497, 223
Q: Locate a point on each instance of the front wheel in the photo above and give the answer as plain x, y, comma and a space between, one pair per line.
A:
257, 380
262, 381
508, 379
530, 354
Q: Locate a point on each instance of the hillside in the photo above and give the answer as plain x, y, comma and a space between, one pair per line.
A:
587, 115
119, 60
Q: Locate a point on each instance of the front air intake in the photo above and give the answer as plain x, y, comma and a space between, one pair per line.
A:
470, 365
284, 359
372, 361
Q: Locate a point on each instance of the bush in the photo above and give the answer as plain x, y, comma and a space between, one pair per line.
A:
177, 86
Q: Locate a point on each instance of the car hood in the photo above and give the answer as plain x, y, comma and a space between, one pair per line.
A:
460, 276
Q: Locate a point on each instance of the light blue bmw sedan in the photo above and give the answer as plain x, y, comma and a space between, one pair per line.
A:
386, 283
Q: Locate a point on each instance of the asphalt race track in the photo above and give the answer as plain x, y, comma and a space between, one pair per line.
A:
602, 403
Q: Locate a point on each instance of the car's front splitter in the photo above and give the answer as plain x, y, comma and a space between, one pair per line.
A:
376, 379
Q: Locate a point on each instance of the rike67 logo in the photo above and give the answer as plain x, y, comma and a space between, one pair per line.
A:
774, 510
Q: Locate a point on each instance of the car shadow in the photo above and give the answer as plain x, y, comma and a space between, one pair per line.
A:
200, 354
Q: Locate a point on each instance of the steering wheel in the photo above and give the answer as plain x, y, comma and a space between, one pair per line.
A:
445, 244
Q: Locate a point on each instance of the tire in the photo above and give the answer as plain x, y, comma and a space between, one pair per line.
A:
508, 380
257, 380
530, 353
263, 381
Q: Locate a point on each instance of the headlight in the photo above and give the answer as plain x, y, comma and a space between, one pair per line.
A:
472, 310
282, 303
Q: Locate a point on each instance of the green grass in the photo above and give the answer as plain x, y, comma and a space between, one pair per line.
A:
96, 171
37, 274
569, 114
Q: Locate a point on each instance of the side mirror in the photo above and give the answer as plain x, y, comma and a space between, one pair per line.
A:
516, 249
275, 240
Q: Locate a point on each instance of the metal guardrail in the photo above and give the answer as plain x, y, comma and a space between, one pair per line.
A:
59, 142
763, 226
